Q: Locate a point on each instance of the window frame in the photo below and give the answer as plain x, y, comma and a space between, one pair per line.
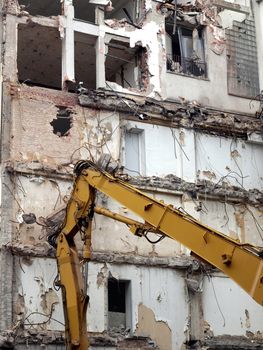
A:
184, 64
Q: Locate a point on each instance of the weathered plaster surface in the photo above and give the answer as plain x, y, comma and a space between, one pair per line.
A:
198, 156
159, 331
229, 310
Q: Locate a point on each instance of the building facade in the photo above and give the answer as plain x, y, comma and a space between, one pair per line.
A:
172, 91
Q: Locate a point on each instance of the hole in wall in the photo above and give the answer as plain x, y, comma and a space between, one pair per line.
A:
63, 123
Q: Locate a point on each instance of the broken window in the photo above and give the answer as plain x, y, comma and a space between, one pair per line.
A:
242, 64
118, 303
134, 152
185, 50
130, 10
41, 7
126, 66
39, 56
84, 10
85, 59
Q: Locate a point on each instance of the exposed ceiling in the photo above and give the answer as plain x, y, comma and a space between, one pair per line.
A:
119, 54
41, 7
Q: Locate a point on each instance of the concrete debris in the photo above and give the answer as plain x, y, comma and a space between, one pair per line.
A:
44, 337
196, 13
201, 188
178, 262
176, 114
7, 340
41, 169
258, 335
121, 342
114, 23
142, 343
193, 285
38, 336
259, 112
226, 342
38, 249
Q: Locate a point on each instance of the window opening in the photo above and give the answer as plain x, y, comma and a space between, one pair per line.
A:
125, 9
118, 303
41, 7
39, 56
134, 152
126, 66
185, 51
85, 59
84, 11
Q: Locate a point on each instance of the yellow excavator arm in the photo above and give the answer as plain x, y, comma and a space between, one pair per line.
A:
243, 263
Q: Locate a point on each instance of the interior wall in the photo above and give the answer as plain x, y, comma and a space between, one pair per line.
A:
85, 60
39, 56
121, 64
118, 13
228, 309
84, 11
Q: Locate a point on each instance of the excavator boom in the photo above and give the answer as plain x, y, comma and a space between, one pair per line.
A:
243, 263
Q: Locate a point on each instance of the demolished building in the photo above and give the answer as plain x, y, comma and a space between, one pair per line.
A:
171, 90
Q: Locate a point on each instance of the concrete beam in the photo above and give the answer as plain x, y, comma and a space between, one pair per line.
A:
100, 63
10, 55
6, 259
68, 49
86, 28
232, 6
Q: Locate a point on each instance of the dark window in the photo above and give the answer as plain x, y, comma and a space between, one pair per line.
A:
85, 59
39, 56
185, 51
84, 11
118, 303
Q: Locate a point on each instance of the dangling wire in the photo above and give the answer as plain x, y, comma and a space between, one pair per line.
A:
153, 242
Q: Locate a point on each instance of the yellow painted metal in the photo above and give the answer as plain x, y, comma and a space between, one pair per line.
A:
135, 227
74, 300
240, 262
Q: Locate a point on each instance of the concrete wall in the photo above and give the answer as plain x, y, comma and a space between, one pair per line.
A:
158, 303
227, 310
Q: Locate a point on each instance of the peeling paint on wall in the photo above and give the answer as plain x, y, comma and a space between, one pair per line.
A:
102, 276
48, 300
148, 326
